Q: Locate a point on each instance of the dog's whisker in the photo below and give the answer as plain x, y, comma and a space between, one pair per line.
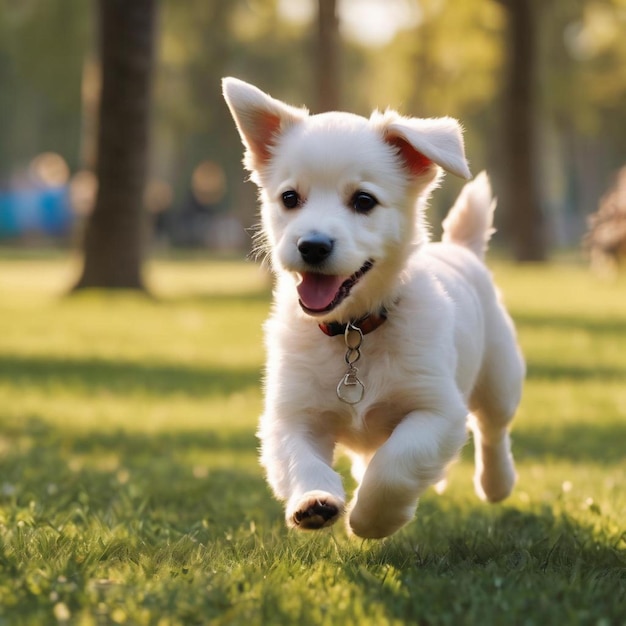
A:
260, 250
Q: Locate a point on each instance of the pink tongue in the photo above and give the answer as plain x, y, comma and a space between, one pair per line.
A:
317, 291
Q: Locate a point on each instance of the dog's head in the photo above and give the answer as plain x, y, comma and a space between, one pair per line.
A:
341, 195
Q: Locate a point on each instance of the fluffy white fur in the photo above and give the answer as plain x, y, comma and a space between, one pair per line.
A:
445, 358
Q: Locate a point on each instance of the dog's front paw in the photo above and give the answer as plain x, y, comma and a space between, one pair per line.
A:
314, 510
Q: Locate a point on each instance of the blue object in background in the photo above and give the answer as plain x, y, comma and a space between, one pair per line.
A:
44, 211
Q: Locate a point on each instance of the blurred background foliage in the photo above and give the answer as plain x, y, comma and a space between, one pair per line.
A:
423, 57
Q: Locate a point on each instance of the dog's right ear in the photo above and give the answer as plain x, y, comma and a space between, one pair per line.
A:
260, 119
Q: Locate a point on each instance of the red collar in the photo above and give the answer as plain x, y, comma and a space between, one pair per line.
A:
366, 324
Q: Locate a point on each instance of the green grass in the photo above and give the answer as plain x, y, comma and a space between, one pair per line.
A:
130, 491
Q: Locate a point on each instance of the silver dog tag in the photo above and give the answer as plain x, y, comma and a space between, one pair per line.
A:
350, 389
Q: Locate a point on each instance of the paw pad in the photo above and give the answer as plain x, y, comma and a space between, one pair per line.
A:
315, 514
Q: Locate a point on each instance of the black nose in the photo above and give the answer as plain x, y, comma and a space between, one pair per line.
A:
315, 248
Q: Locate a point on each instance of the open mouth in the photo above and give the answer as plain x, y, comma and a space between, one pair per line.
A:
320, 293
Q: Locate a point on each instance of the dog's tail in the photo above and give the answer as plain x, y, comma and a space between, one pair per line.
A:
469, 222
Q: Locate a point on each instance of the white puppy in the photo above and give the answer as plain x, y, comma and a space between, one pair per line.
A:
378, 340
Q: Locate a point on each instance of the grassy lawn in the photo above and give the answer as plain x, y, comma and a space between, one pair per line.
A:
130, 491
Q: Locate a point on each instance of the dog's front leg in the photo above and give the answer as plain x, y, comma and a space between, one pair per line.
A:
413, 458
298, 467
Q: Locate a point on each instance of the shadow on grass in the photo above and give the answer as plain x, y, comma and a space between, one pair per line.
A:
593, 325
446, 534
124, 377
593, 443
574, 372
478, 565
132, 444
579, 371
174, 477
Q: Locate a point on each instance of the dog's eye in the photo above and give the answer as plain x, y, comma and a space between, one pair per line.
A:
363, 202
290, 199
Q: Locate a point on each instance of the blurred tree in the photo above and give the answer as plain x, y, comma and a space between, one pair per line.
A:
583, 75
42, 43
526, 224
327, 56
114, 238
250, 39
446, 62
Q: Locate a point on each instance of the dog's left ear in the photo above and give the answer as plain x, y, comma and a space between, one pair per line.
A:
260, 119
424, 142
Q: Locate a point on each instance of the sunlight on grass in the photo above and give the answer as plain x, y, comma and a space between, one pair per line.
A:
218, 278
130, 490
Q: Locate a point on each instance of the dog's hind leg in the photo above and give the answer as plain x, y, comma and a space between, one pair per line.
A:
413, 458
493, 404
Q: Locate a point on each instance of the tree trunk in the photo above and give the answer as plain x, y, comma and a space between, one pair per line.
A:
328, 56
114, 238
526, 221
